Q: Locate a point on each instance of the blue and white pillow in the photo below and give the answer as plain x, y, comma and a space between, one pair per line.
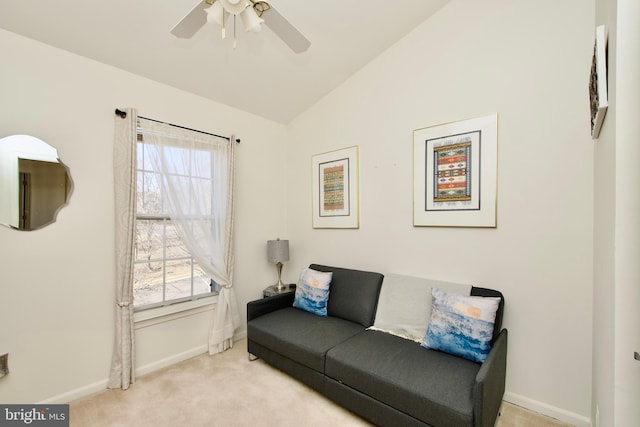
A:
312, 291
461, 325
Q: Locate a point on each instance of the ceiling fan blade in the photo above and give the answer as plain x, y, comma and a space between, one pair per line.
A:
192, 22
285, 30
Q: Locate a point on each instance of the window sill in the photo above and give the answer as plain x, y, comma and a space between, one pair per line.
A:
153, 316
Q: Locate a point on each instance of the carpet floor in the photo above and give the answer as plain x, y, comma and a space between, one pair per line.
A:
226, 390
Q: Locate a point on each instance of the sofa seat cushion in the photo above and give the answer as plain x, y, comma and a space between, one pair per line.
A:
429, 385
300, 335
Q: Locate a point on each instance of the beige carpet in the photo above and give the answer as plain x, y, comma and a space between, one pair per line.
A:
227, 390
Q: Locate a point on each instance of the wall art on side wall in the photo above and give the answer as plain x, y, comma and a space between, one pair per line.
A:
598, 93
455, 168
335, 189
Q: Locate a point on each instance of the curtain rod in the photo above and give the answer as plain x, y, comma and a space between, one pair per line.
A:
123, 114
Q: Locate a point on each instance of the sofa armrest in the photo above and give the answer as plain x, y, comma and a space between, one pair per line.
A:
263, 306
490, 383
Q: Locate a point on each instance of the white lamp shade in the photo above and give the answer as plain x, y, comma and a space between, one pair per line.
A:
234, 6
217, 14
278, 250
251, 21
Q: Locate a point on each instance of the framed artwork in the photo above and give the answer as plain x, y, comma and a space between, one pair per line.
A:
335, 189
598, 82
455, 168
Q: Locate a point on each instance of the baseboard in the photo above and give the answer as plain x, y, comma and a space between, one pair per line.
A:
171, 360
76, 394
548, 410
101, 385
177, 358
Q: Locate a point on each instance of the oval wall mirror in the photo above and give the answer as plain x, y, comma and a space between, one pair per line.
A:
34, 183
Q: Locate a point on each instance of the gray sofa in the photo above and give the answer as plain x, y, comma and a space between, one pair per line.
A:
384, 378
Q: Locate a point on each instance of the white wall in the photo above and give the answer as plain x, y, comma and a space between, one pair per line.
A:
56, 289
604, 237
529, 62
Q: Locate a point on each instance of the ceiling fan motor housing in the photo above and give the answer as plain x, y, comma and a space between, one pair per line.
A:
235, 7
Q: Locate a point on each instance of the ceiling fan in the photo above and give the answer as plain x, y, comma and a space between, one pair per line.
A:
252, 13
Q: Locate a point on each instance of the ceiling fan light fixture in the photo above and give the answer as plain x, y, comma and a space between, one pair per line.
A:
281, 27
234, 7
250, 20
217, 14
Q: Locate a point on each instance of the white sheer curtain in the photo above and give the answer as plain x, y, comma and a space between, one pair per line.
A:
198, 176
124, 168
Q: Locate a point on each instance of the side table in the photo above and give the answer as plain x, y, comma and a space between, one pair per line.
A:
272, 290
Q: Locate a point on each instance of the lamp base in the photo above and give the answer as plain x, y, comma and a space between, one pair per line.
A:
281, 286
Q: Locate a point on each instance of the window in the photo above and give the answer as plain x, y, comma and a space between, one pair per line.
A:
165, 272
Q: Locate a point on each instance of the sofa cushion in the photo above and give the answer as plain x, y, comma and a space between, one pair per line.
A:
312, 291
354, 294
461, 325
435, 387
300, 335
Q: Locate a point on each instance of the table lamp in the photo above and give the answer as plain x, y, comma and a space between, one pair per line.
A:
278, 252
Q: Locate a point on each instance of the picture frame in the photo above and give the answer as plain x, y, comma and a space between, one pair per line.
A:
455, 174
336, 189
598, 91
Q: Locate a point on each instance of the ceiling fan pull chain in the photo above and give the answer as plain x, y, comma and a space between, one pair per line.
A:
224, 32
235, 41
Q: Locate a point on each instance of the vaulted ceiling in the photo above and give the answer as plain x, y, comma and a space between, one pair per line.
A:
261, 76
